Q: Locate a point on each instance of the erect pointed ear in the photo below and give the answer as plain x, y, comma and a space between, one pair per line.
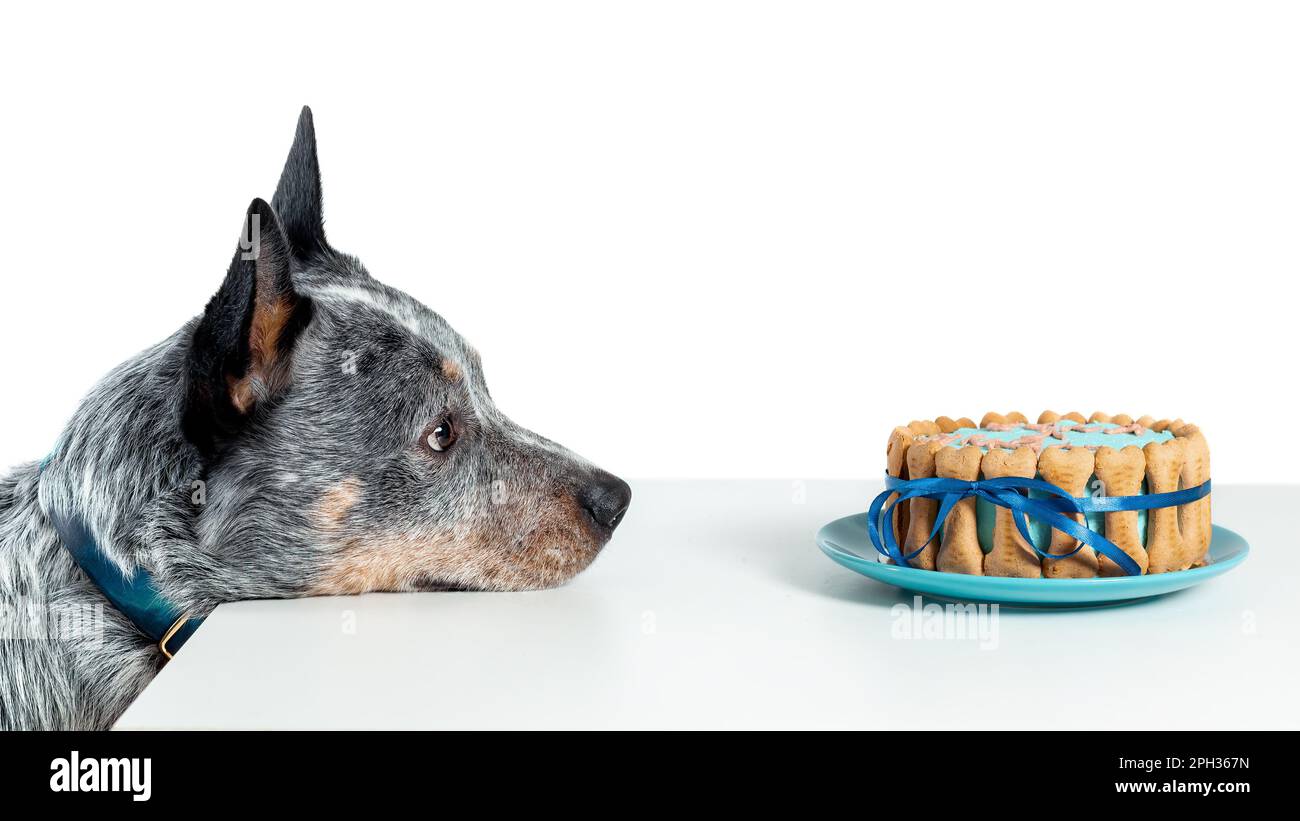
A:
240, 349
298, 196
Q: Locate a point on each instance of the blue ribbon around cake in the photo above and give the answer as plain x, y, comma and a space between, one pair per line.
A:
1056, 509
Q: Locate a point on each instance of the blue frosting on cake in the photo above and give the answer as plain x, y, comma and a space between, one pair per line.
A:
1074, 438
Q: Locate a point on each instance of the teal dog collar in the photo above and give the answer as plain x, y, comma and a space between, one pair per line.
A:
135, 595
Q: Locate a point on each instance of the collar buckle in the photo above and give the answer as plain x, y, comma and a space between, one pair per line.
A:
172, 631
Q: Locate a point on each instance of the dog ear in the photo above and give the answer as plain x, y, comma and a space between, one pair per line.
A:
239, 351
298, 196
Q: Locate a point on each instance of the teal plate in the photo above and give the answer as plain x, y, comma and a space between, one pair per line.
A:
845, 540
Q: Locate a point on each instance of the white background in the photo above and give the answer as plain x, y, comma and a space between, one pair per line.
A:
693, 239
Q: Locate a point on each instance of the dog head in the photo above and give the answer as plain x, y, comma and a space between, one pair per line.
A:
350, 427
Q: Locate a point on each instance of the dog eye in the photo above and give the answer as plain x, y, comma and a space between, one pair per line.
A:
442, 436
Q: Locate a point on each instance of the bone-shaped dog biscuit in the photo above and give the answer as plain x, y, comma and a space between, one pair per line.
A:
1165, 548
947, 424
924, 427
1194, 517
959, 549
900, 439
1069, 469
920, 465
1121, 472
1011, 555
1167, 424
995, 418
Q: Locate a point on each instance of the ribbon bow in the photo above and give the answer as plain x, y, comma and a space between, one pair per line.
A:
1057, 511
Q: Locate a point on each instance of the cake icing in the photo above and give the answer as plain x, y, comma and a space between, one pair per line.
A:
1094, 435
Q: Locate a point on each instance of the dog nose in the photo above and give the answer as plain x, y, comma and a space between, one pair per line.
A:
606, 498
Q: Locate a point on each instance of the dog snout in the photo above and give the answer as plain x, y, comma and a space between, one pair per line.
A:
605, 497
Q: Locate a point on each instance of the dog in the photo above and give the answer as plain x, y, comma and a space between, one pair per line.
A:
312, 433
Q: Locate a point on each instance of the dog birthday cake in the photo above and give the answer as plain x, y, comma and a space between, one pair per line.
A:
1063, 497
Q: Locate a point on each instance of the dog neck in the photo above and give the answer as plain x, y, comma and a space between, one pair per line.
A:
117, 487
134, 594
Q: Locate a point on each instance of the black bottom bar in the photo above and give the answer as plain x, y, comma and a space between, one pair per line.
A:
963, 771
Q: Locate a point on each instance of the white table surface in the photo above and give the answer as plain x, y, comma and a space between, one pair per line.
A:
713, 608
